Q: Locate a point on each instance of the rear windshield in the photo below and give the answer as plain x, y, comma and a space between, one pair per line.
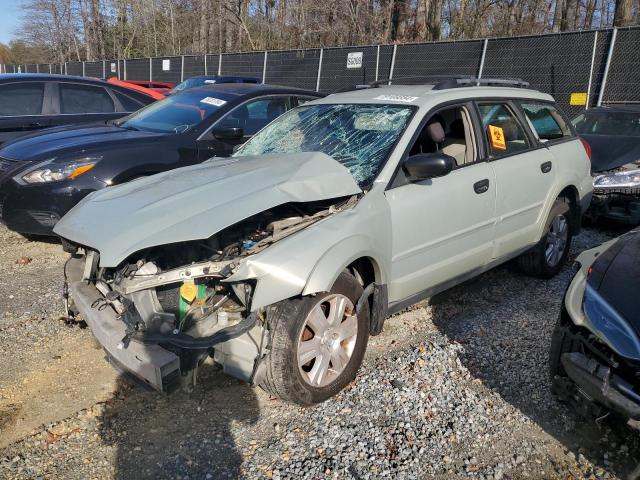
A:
175, 114
625, 124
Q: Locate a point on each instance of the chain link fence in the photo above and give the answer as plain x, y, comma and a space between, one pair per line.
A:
580, 69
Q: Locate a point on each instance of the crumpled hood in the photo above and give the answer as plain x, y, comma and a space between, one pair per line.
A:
196, 202
609, 152
56, 142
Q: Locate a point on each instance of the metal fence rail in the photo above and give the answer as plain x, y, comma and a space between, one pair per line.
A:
581, 69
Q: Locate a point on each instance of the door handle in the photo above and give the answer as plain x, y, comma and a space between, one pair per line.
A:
546, 167
34, 125
481, 186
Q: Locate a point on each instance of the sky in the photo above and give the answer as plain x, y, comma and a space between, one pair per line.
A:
9, 19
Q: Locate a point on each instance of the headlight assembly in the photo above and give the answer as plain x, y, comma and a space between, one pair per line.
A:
627, 179
48, 171
610, 325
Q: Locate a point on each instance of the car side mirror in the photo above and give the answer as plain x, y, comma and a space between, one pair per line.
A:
428, 165
228, 133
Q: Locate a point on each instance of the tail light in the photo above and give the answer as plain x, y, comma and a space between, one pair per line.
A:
587, 147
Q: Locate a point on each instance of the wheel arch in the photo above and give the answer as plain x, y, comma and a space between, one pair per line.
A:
353, 253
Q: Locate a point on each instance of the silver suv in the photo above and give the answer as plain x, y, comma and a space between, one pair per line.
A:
281, 261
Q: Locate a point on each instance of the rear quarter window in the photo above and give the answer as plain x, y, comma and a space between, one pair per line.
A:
128, 103
546, 121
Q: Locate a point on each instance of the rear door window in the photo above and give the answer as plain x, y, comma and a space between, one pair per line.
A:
17, 99
78, 99
504, 133
546, 121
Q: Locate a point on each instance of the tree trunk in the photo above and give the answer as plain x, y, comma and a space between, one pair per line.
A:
557, 16
624, 13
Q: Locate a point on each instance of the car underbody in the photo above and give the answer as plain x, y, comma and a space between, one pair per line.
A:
164, 309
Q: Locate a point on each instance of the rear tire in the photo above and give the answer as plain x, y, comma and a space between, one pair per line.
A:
546, 258
314, 325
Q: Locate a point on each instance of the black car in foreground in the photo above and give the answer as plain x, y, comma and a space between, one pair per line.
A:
613, 132
31, 102
595, 351
43, 175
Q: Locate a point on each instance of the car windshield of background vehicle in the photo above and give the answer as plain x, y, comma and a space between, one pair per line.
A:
624, 124
546, 121
187, 84
175, 114
360, 137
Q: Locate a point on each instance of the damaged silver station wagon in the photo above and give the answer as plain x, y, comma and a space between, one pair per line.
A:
280, 261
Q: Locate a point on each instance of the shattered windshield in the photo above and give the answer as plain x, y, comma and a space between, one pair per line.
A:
358, 136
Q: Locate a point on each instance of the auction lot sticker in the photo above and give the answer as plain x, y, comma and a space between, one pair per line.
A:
497, 138
216, 102
396, 98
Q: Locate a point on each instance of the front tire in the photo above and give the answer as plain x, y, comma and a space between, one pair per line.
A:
547, 257
318, 343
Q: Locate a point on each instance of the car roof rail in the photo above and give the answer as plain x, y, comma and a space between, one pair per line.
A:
442, 82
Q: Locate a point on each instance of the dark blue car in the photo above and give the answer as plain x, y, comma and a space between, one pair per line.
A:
43, 175
202, 80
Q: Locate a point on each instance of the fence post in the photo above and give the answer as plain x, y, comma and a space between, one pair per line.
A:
125, 68
65, 69
118, 68
319, 70
606, 67
150, 69
393, 62
377, 62
104, 69
49, 69
593, 59
182, 69
220, 63
264, 67
205, 63
83, 70
484, 53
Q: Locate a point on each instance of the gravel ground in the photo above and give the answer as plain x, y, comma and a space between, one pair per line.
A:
454, 389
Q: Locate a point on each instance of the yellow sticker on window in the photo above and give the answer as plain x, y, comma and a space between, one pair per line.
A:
578, 99
497, 138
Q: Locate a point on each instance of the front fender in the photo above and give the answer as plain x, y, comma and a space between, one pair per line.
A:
337, 258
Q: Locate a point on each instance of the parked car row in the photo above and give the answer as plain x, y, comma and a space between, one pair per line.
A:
275, 230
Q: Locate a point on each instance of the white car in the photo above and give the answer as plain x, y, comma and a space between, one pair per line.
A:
280, 261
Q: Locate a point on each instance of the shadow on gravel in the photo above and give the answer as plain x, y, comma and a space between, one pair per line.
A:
178, 435
504, 320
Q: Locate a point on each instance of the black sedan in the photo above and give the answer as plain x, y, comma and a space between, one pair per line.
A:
595, 351
31, 102
43, 175
613, 133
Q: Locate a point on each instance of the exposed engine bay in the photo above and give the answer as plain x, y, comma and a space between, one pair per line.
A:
176, 296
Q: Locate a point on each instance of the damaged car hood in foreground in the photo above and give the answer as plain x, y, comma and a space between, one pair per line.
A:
196, 202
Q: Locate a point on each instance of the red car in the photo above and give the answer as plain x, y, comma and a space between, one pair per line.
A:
160, 87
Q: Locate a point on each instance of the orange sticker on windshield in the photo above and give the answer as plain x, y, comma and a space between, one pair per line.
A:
497, 138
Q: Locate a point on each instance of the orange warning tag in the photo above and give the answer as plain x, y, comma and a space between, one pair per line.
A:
497, 138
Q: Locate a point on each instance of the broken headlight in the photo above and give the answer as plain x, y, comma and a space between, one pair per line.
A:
610, 325
624, 179
48, 171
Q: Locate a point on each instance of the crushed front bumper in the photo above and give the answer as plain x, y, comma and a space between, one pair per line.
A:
596, 383
152, 364
622, 207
